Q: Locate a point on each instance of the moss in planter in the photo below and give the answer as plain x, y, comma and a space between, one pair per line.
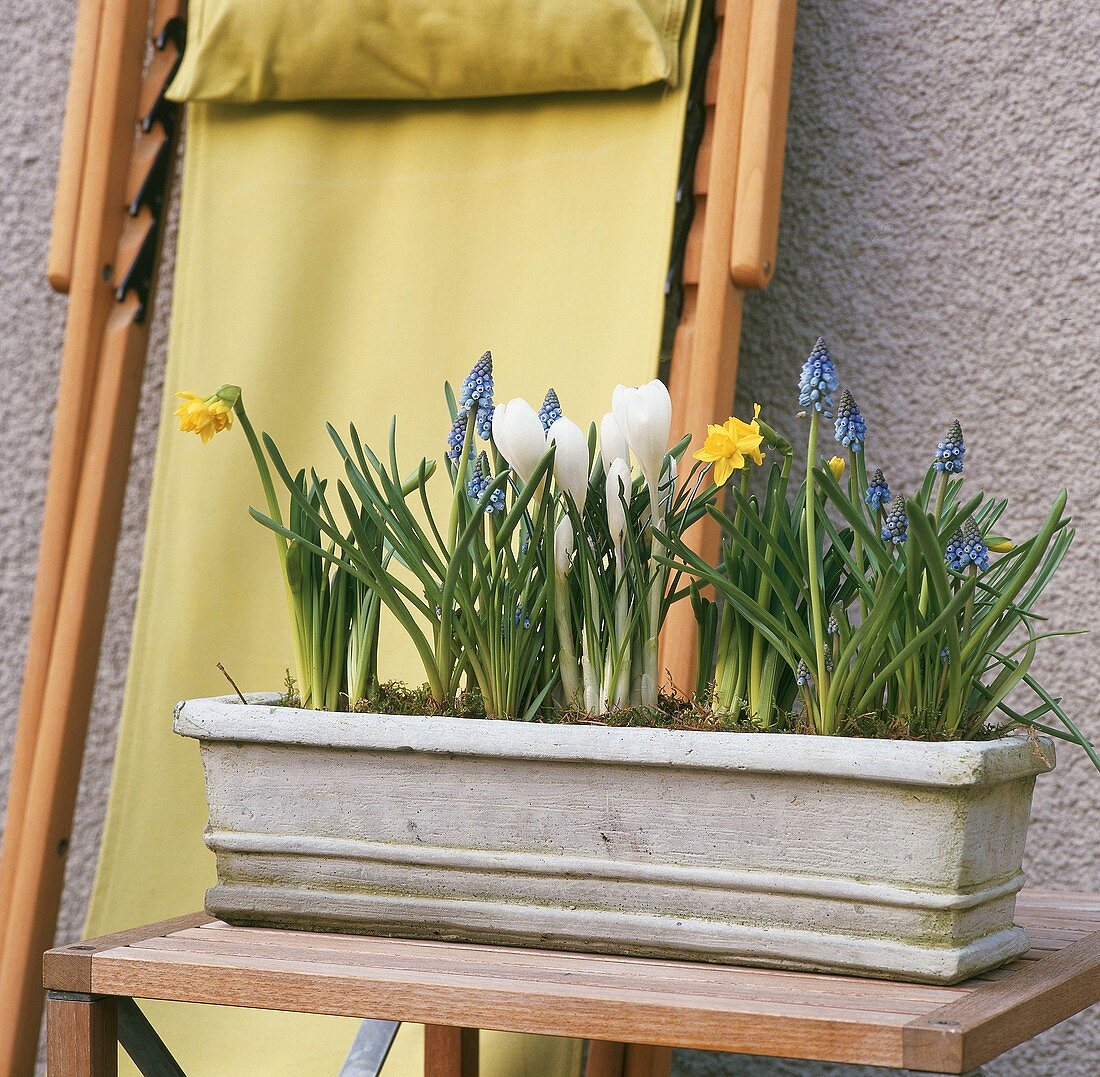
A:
396, 697
673, 711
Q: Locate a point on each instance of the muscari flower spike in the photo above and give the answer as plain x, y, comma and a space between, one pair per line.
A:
802, 674
457, 436
477, 486
850, 426
550, 412
967, 547
818, 380
477, 391
895, 528
522, 618
878, 492
832, 628
950, 452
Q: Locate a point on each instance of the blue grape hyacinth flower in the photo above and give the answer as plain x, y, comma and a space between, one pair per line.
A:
850, 426
802, 674
477, 392
550, 412
457, 436
818, 380
878, 491
967, 547
895, 528
950, 451
477, 486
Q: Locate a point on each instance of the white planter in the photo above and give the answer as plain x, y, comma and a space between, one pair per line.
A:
884, 858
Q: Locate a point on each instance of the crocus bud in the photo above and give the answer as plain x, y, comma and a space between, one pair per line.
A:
563, 546
644, 416
613, 444
836, 466
570, 459
519, 437
617, 487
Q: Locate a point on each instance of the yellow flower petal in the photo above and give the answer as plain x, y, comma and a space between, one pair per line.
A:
205, 416
728, 445
725, 467
836, 466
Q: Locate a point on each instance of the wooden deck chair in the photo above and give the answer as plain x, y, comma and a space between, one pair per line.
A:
713, 148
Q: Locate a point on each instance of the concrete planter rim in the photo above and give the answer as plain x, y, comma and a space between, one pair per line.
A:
937, 764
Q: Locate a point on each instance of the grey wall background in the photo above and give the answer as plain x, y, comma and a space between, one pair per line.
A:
941, 217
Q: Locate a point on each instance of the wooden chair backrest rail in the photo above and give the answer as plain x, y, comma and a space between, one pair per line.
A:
102, 367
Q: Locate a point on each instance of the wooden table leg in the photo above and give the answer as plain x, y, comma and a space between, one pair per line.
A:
449, 1052
605, 1059
643, 1060
81, 1035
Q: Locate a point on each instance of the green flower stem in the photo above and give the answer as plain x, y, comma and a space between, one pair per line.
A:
619, 653
726, 673
824, 721
650, 675
760, 694
297, 614
857, 488
941, 496
567, 657
593, 689
968, 613
443, 649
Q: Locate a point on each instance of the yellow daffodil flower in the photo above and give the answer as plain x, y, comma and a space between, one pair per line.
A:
836, 466
207, 415
727, 446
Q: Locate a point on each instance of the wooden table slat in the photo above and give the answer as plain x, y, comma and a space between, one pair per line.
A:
504, 961
732, 987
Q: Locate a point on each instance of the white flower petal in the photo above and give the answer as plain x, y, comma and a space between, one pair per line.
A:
571, 464
618, 489
613, 444
518, 435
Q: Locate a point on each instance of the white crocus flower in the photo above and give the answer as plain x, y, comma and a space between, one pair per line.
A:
613, 444
618, 488
519, 436
644, 416
563, 547
571, 465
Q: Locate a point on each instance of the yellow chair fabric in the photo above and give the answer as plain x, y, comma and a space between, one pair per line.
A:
339, 261
285, 50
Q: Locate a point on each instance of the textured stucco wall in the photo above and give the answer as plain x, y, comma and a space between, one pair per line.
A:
940, 220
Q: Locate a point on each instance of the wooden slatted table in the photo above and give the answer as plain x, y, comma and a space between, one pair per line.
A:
632, 1000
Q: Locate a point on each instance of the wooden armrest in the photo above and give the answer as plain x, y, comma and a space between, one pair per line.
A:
763, 139
74, 135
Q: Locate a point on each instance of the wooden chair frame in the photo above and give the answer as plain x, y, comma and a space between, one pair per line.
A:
113, 190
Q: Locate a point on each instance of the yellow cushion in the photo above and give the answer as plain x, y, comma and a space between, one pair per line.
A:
285, 50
